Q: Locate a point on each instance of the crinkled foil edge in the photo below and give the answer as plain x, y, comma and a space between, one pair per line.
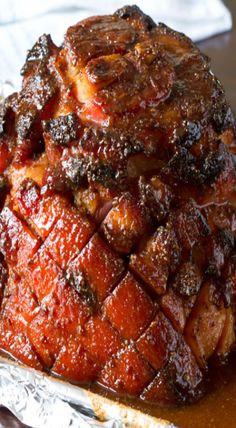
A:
42, 401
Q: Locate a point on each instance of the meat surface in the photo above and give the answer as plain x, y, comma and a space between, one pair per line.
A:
118, 212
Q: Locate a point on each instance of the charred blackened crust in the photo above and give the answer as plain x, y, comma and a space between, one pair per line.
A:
25, 123
42, 50
212, 166
188, 134
39, 89
4, 187
136, 17
191, 170
63, 129
109, 145
7, 112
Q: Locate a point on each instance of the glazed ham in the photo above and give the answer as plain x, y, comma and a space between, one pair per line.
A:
118, 220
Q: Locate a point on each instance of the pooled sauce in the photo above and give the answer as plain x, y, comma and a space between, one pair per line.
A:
217, 409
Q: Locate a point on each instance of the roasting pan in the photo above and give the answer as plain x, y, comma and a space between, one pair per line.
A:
42, 401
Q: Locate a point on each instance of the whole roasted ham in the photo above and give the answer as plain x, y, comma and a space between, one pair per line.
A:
118, 218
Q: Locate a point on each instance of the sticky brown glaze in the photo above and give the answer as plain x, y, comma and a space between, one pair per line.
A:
117, 223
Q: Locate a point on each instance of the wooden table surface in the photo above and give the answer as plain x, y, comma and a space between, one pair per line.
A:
222, 51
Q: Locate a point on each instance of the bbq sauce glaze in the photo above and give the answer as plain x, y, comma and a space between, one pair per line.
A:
217, 409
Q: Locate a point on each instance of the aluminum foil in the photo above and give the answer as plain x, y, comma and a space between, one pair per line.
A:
41, 401
36, 401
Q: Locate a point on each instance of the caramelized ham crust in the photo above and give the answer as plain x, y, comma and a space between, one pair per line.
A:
117, 222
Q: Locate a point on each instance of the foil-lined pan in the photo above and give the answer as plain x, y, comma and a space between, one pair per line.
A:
42, 401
